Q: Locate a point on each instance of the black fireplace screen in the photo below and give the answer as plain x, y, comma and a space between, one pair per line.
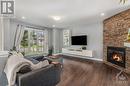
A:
116, 55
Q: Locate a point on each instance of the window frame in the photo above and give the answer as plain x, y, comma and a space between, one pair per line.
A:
29, 51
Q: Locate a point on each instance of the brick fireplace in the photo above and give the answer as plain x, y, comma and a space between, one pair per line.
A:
114, 34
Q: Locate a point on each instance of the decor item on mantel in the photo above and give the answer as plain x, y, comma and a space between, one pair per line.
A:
127, 41
123, 1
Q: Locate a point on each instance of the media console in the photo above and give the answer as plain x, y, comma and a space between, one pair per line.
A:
77, 52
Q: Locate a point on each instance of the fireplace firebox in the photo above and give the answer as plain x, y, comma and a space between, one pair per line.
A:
116, 55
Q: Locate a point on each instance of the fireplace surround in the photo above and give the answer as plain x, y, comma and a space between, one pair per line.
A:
115, 33
116, 55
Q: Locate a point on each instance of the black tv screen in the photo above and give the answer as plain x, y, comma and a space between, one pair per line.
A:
79, 40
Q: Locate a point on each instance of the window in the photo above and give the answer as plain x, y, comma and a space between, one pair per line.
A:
32, 42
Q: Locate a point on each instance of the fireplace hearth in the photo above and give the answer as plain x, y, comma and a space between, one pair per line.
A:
116, 55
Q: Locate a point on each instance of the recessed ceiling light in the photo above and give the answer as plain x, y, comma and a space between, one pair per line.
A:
102, 14
23, 17
56, 18
53, 26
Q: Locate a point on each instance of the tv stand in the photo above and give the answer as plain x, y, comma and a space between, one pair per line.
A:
77, 52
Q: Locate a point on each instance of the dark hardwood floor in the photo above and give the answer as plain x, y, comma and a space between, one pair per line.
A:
78, 72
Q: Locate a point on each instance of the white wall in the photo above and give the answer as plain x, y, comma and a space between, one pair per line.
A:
1, 34
4, 33
94, 34
6, 25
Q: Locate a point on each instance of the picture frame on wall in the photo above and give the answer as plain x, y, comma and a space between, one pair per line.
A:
66, 37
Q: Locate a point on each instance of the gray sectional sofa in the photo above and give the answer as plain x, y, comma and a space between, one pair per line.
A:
46, 76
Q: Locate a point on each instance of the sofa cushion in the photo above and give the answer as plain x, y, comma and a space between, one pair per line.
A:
32, 60
36, 57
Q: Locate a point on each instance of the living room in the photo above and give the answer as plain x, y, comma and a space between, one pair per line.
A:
64, 43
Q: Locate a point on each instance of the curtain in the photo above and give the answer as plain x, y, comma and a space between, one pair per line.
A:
18, 36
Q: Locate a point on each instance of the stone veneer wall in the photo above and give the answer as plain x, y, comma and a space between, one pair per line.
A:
115, 32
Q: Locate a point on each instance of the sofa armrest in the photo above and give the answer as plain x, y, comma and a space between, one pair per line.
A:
46, 76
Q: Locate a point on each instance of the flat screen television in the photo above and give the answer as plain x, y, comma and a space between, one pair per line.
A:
79, 40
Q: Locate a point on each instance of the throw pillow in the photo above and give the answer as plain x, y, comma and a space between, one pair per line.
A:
40, 64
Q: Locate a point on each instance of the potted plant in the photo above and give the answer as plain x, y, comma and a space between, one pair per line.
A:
50, 51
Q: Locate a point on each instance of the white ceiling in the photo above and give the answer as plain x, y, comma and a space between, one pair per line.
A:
72, 12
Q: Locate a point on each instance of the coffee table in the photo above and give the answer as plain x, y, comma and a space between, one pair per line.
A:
55, 59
